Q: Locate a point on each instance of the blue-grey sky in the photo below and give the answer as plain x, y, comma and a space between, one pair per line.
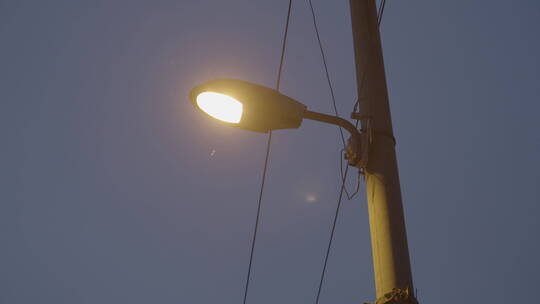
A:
115, 190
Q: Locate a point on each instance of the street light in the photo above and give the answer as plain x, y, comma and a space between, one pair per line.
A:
252, 107
256, 108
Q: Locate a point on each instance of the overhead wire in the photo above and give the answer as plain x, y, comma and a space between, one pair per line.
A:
268, 144
330, 86
381, 11
343, 175
331, 239
332, 95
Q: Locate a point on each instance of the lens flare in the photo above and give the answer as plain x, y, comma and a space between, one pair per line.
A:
311, 198
220, 106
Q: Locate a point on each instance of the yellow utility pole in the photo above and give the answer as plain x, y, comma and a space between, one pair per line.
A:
391, 264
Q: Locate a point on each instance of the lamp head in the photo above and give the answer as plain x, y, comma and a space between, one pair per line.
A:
247, 105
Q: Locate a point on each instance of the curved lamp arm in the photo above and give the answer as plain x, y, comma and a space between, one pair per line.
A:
332, 120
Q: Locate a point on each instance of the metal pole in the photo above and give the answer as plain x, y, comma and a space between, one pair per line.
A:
392, 270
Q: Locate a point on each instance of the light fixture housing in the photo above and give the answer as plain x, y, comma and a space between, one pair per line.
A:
247, 105
256, 108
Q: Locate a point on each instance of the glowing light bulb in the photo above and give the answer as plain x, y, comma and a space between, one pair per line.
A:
220, 106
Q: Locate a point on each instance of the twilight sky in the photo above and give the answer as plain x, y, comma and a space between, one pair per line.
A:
115, 190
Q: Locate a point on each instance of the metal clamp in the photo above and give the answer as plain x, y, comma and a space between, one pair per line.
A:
357, 150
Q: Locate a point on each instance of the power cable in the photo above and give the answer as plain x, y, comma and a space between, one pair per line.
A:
331, 239
326, 68
268, 144
283, 45
344, 176
327, 74
381, 12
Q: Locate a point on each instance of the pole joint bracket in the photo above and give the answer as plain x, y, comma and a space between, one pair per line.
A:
397, 296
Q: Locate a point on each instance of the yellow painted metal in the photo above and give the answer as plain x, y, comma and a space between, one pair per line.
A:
390, 251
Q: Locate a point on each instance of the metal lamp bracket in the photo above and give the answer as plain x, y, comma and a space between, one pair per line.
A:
357, 150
